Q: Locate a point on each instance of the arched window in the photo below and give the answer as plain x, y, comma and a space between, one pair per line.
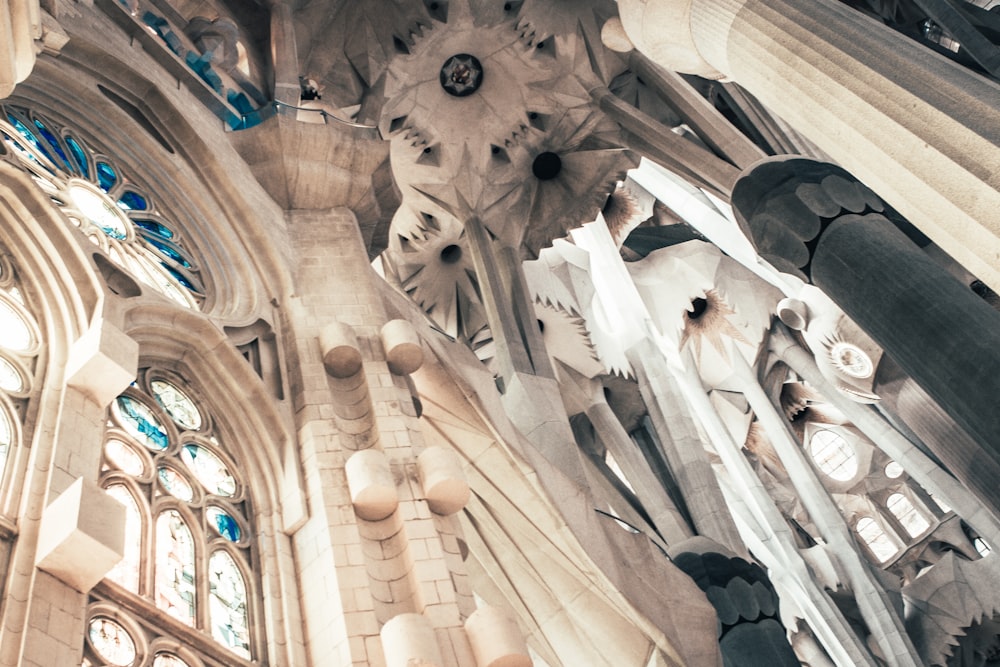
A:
906, 513
834, 455
879, 543
20, 344
188, 554
98, 197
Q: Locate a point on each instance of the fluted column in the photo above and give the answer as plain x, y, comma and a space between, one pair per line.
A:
817, 220
919, 128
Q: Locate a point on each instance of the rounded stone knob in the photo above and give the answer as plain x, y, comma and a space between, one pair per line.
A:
496, 640
341, 354
408, 640
443, 480
794, 313
373, 490
403, 351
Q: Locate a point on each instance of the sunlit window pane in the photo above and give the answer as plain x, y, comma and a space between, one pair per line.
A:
209, 469
175, 589
168, 660
15, 334
126, 572
912, 521
880, 544
228, 604
10, 379
140, 422
180, 408
834, 455
112, 642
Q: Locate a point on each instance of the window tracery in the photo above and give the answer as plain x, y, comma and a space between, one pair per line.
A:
188, 547
96, 195
20, 344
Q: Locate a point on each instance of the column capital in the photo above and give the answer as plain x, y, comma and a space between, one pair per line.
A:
784, 204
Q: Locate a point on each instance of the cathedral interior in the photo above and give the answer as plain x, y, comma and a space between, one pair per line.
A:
485, 333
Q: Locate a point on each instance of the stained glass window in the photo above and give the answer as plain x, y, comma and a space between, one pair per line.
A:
96, 194
112, 642
180, 408
19, 348
139, 421
228, 604
186, 505
15, 333
10, 378
209, 469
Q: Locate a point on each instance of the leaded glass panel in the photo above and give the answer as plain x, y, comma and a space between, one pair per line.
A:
175, 587
209, 469
228, 604
112, 642
140, 422
180, 408
15, 333
10, 378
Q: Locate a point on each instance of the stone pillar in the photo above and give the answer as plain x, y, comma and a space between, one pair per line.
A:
876, 608
683, 448
20, 26
818, 221
919, 128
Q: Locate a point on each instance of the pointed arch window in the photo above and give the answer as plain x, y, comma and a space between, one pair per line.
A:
188, 536
913, 522
20, 344
96, 195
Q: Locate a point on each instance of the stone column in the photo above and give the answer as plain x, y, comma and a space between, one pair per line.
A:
919, 128
20, 26
818, 221
876, 608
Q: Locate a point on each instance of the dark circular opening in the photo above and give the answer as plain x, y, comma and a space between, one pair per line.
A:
494, 149
698, 307
427, 150
461, 75
434, 6
451, 254
540, 45
506, 6
546, 166
532, 115
541, 326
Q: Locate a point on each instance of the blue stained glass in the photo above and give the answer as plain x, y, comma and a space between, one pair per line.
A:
132, 201
29, 136
79, 157
160, 230
224, 523
179, 277
169, 250
139, 420
51, 138
106, 176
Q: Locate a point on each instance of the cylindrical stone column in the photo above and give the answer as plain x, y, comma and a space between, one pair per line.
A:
373, 490
403, 352
916, 126
818, 221
496, 640
409, 641
341, 353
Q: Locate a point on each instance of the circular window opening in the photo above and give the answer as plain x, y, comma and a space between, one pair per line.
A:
852, 360
451, 254
893, 470
834, 455
461, 75
546, 166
